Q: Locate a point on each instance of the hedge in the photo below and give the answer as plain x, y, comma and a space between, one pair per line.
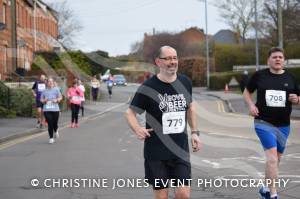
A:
21, 101
219, 80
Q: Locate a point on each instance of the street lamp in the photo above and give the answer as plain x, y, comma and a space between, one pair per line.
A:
256, 37
280, 35
207, 46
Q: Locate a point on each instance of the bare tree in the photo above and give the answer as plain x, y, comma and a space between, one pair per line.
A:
68, 24
238, 14
291, 20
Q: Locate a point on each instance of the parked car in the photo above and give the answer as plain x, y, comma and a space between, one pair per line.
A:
119, 80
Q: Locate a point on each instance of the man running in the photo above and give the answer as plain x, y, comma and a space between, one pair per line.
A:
277, 90
167, 100
38, 87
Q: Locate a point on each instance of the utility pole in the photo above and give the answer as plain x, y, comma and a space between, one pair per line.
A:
14, 34
256, 38
207, 47
279, 14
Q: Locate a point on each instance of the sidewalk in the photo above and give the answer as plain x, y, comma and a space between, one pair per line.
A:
19, 127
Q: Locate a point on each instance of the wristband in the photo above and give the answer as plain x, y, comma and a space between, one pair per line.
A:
196, 132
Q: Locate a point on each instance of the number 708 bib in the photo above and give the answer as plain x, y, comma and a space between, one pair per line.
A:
173, 122
275, 98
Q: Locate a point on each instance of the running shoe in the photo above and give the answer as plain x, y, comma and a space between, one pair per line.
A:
56, 134
72, 125
76, 125
51, 141
264, 193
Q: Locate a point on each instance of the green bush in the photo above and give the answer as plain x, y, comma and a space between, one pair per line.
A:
54, 60
21, 101
219, 80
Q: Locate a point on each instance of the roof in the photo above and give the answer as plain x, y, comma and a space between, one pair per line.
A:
226, 37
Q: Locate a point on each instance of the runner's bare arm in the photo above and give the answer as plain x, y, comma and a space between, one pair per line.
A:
141, 132
192, 117
253, 110
192, 120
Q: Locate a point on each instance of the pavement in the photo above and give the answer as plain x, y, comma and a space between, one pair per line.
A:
19, 127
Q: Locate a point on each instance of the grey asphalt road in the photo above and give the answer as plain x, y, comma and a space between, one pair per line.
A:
84, 163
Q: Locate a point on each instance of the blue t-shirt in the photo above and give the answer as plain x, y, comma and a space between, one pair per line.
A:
50, 94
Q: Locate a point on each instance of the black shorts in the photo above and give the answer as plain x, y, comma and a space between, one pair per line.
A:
38, 104
162, 174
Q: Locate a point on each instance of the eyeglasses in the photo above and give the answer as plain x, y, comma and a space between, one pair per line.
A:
169, 58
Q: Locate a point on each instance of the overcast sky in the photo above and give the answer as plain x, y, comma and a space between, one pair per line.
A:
114, 25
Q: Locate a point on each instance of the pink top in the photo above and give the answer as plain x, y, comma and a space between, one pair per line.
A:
75, 95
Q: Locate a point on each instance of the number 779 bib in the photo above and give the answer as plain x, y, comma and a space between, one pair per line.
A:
173, 122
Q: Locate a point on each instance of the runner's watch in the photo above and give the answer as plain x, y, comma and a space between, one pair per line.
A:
197, 132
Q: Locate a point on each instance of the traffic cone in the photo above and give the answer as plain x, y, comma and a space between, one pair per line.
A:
226, 89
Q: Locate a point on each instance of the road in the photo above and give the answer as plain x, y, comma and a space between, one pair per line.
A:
104, 150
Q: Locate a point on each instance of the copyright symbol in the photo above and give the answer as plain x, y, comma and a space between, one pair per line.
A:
35, 182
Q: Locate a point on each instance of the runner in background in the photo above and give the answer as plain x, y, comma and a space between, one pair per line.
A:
110, 84
75, 95
38, 87
95, 85
82, 88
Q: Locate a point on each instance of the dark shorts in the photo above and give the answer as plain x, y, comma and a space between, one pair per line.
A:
162, 174
38, 104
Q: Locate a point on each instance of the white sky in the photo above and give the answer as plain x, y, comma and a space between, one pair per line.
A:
113, 25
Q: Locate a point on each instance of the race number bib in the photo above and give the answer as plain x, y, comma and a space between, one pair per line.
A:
173, 122
76, 98
41, 87
49, 105
275, 98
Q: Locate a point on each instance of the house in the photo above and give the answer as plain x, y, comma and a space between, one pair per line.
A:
226, 37
36, 30
180, 41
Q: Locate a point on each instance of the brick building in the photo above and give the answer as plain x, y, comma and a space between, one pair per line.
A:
36, 30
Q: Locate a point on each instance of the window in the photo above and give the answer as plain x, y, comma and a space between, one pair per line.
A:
5, 59
4, 13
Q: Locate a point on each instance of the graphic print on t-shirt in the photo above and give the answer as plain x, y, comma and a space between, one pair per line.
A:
173, 108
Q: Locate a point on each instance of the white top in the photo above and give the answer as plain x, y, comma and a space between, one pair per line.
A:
81, 87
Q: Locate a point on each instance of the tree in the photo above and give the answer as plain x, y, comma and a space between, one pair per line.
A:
238, 14
68, 24
290, 18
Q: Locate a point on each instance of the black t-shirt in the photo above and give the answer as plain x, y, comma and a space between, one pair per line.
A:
166, 106
272, 95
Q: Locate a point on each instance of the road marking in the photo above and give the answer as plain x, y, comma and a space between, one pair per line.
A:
11, 143
20, 140
220, 106
233, 136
